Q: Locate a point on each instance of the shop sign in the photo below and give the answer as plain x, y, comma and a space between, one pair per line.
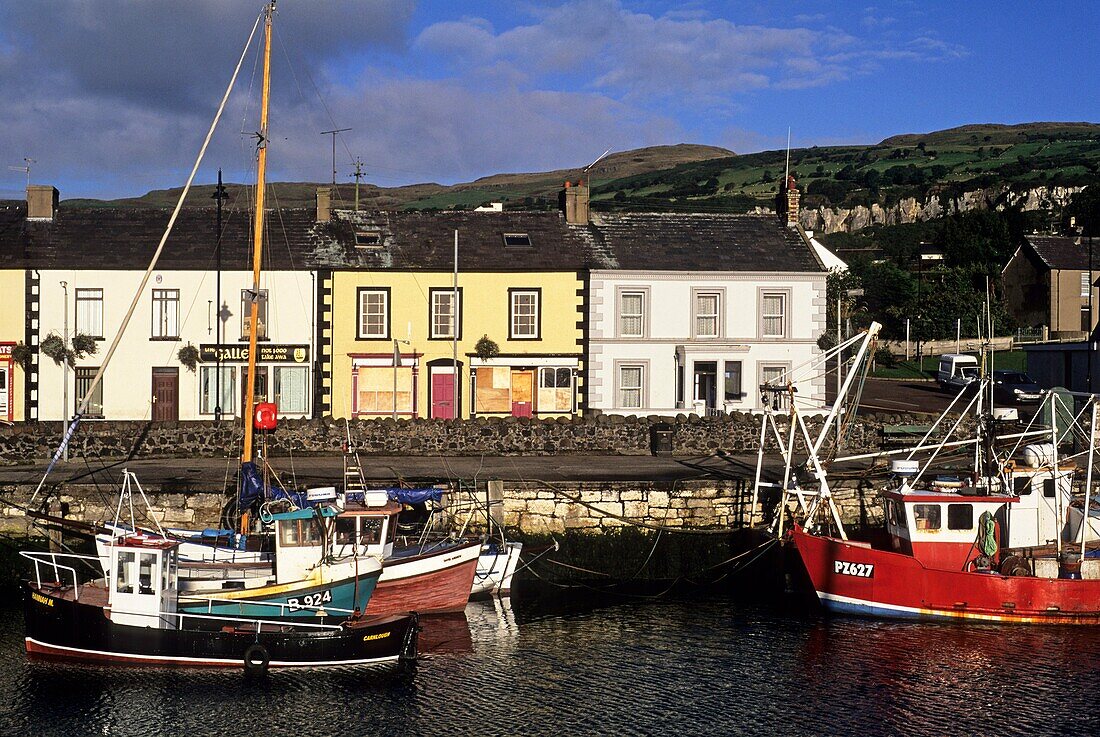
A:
238, 353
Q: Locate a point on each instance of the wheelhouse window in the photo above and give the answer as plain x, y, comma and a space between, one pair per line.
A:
166, 313
291, 389
926, 516
299, 533
773, 315
523, 314
630, 386
631, 314
345, 530
89, 312
374, 314
261, 314
960, 516
445, 314
706, 314
84, 377
1048, 488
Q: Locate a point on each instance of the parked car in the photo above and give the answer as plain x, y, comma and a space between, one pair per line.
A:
1014, 387
957, 370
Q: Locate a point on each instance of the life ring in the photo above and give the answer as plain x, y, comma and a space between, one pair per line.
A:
256, 659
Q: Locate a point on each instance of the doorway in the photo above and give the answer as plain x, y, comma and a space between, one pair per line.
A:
5, 391
166, 391
706, 384
259, 390
443, 395
523, 390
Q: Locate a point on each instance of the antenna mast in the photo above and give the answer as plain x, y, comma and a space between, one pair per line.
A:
26, 168
333, 133
787, 170
358, 175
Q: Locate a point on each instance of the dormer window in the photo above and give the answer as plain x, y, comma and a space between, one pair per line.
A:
368, 239
517, 240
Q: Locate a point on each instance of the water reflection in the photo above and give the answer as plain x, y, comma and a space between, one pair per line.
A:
551, 663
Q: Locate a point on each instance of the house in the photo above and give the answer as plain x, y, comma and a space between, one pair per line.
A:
402, 321
699, 310
1047, 284
82, 267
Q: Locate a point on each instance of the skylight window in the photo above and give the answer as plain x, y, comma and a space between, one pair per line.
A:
517, 240
368, 239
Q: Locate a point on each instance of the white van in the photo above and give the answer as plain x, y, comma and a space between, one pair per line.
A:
957, 370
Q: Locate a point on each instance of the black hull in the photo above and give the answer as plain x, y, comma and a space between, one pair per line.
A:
59, 627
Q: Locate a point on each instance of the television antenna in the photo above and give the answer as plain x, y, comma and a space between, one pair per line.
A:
26, 168
598, 158
333, 134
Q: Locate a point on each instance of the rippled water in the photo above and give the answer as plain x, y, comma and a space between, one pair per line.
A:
552, 666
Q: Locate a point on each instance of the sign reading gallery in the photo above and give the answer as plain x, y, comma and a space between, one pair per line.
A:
269, 353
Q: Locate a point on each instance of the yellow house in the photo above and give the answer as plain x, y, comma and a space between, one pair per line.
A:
388, 319
13, 288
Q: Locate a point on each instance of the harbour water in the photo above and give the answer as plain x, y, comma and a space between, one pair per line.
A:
548, 664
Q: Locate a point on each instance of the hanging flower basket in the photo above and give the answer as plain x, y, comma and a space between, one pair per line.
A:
54, 347
22, 353
189, 357
486, 348
84, 345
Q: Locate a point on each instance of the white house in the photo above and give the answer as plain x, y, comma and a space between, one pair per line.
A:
699, 311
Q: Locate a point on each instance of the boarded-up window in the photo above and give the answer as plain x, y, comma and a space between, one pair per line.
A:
374, 390
494, 389
555, 389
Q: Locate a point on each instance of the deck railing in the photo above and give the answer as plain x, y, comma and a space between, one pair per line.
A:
49, 561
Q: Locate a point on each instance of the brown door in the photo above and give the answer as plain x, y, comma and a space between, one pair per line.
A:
523, 389
166, 392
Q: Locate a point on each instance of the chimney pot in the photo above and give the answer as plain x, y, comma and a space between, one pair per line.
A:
324, 204
41, 202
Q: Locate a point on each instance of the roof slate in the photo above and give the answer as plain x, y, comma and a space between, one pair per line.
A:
1059, 252
124, 239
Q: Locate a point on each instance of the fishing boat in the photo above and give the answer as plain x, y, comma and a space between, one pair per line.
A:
130, 616
132, 612
989, 544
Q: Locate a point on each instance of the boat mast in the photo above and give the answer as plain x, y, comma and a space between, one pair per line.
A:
257, 242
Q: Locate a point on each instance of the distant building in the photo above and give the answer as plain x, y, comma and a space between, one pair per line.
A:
1047, 283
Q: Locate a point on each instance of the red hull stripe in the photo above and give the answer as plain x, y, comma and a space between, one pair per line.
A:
34, 647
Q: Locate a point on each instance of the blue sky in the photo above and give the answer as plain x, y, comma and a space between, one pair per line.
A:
112, 98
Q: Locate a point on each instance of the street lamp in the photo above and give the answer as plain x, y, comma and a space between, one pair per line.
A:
65, 376
926, 253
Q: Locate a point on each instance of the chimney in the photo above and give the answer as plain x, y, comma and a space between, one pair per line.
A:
575, 198
793, 197
324, 204
41, 202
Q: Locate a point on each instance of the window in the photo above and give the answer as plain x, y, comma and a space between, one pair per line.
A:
960, 516
776, 377
630, 386
370, 531
493, 389
517, 240
555, 389
631, 314
368, 239
124, 583
374, 390
84, 376
1021, 485
291, 386
1085, 284
261, 314
773, 315
209, 386
1048, 488
524, 311
166, 313
926, 516
345, 530
706, 315
895, 512
444, 315
299, 533
374, 314
731, 377
89, 312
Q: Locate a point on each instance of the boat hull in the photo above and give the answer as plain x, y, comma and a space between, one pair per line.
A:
433, 583
288, 600
59, 626
495, 567
851, 578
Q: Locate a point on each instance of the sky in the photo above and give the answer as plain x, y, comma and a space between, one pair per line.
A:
113, 98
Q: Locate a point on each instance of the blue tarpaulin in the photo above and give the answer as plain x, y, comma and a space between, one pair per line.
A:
415, 496
252, 488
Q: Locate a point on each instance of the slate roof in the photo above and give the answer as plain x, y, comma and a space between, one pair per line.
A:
1059, 252
125, 238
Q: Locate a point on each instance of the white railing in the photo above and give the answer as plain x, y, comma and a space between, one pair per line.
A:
49, 560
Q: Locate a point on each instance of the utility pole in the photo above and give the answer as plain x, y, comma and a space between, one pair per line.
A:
358, 175
219, 196
333, 133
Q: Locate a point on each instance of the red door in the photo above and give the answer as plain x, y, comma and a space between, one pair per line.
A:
166, 390
523, 391
443, 396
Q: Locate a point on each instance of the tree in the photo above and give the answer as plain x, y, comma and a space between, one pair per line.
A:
1084, 208
889, 295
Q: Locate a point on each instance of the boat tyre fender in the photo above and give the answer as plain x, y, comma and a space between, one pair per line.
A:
256, 659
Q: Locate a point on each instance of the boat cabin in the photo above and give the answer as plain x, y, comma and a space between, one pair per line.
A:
141, 579
940, 528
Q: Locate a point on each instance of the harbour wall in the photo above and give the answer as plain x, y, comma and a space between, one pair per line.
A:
600, 435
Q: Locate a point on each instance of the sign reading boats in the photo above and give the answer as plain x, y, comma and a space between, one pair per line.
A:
859, 570
269, 353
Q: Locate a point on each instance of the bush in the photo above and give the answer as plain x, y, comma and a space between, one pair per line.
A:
883, 357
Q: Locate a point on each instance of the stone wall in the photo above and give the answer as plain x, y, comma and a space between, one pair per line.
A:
602, 435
